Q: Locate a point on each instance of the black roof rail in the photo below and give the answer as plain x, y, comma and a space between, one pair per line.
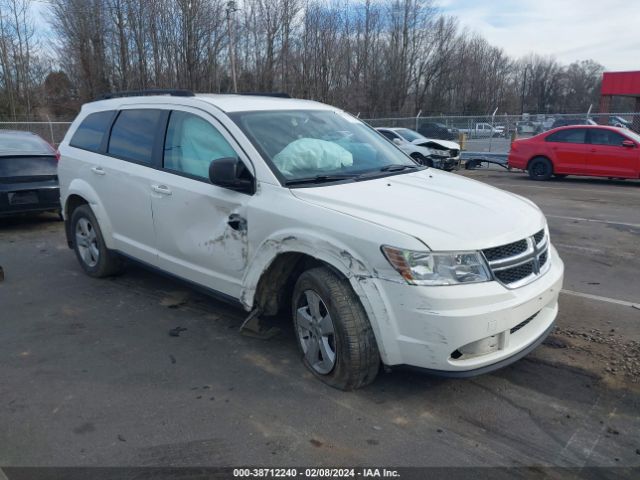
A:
263, 94
174, 92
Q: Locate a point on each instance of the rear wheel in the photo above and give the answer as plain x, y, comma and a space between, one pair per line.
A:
92, 253
333, 331
540, 168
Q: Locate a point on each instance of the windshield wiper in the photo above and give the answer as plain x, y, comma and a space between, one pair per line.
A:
318, 179
397, 168
393, 168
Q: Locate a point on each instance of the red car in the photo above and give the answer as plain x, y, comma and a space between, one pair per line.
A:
597, 151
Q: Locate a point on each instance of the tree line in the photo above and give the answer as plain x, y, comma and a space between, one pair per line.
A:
376, 58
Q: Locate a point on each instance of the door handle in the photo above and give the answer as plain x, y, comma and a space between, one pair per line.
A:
163, 189
593, 150
98, 170
237, 222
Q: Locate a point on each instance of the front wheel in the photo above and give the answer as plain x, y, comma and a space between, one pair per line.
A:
540, 168
333, 332
422, 160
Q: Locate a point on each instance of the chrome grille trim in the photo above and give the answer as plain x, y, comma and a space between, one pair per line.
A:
512, 271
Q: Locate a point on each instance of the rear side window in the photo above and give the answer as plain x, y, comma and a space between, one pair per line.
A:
133, 135
90, 133
606, 137
574, 135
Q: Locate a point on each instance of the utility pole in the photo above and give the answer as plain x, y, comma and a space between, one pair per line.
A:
231, 8
524, 83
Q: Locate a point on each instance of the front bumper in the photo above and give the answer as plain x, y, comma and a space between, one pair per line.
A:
431, 327
446, 163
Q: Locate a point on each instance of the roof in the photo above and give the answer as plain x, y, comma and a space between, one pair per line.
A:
591, 127
240, 103
225, 102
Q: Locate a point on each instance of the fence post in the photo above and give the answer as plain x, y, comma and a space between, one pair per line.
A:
417, 117
53, 141
493, 121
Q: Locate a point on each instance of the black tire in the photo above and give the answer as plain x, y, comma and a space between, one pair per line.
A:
107, 262
540, 168
422, 160
356, 358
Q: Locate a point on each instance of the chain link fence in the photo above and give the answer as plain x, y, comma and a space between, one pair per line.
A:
52, 131
494, 133
479, 133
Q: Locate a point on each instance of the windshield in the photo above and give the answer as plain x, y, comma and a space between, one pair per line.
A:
409, 135
320, 144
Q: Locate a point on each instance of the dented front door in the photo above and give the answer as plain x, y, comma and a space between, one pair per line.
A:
200, 228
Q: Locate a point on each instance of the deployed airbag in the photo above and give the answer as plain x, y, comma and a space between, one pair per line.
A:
313, 155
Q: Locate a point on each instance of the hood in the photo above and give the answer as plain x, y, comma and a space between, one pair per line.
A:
423, 142
445, 211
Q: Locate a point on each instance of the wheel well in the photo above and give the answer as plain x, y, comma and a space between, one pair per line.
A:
73, 202
276, 283
540, 156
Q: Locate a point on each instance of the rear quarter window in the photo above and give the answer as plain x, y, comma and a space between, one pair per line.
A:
91, 131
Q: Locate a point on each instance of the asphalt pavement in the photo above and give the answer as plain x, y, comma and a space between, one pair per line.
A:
89, 375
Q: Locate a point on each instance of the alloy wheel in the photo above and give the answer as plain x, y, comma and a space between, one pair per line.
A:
87, 242
316, 332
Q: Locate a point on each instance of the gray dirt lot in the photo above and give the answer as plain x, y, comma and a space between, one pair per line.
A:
90, 376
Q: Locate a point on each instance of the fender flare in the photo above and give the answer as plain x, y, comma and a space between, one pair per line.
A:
82, 189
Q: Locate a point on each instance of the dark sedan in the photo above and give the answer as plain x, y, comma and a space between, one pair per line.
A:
28, 174
438, 131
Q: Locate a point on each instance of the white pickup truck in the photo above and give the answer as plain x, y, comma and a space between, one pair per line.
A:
483, 130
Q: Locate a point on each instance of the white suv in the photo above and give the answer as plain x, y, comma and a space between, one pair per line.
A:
289, 205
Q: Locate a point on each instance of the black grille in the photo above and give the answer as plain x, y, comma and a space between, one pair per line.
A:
511, 275
539, 236
523, 324
543, 258
505, 251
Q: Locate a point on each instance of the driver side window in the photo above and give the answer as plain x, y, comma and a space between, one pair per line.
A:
192, 143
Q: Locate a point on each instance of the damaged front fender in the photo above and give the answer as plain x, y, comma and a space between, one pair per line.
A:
333, 254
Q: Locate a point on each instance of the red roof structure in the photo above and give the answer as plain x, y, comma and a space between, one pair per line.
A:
621, 84
625, 84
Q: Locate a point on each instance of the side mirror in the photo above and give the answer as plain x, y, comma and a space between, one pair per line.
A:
397, 141
628, 144
231, 173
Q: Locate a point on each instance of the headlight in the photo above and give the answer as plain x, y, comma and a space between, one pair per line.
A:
433, 268
434, 151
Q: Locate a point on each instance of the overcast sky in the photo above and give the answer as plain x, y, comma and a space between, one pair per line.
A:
607, 31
